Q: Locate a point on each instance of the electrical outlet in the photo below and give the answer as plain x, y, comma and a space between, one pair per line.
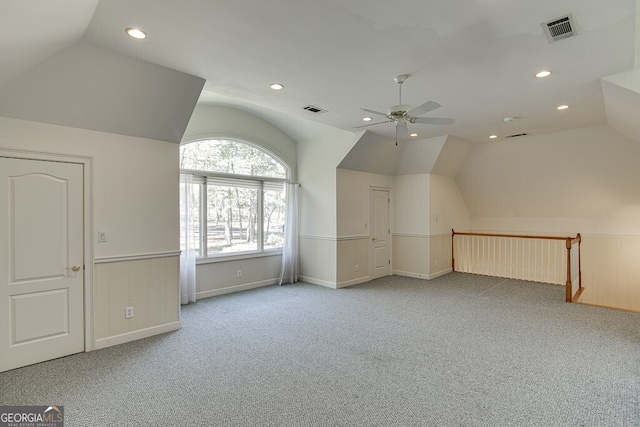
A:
357, 267
128, 312
436, 263
239, 273
102, 236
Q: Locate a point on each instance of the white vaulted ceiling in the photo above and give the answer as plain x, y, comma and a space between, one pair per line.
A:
475, 57
32, 31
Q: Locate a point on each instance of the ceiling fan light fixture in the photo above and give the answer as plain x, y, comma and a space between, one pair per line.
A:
276, 86
493, 136
413, 135
562, 107
136, 33
366, 119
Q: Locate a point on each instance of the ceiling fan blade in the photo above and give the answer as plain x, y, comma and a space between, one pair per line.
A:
424, 108
376, 112
401, 129
433, 121
372, 124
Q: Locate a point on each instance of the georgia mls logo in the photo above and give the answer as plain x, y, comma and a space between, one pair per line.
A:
31, 416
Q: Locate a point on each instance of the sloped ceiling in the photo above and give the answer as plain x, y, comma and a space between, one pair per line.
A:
588, 173
420, 156
89, 87
373, 153
440, 155
476, 58
32, 31
621, 95
451, 157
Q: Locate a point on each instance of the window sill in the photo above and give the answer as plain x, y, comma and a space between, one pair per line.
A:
235, 257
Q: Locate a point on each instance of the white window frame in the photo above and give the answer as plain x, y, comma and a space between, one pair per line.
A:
201, 178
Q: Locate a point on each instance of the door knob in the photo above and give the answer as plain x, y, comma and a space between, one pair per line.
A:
75, 268
373, 239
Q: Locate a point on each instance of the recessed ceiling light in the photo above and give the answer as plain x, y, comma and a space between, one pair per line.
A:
493, 136
276, 86
136, 33
366, 119
414, 135
543, 73
562, 107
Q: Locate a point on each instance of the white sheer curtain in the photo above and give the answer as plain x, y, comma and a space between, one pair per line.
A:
289, 272
187, 244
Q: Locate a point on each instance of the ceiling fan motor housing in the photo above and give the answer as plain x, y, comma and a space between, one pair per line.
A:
398, 110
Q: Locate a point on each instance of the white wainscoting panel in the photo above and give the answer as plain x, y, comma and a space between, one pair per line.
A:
149, 285
439, 255
353, 254
318, 260
411, 255
421, 256
221, 277
611, 271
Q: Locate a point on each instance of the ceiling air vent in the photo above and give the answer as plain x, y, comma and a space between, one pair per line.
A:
560, 28
515, 135
314, 109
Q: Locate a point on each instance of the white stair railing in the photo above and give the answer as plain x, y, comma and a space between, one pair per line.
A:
522, 257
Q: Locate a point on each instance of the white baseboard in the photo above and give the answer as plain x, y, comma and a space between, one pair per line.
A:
235, 288
411, 274
423, 275
352, 282
440, 273
136, 335
317, 282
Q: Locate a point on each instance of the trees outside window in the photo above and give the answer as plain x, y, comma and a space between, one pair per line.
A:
238, 201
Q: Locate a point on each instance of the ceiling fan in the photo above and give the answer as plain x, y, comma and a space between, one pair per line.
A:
402, 114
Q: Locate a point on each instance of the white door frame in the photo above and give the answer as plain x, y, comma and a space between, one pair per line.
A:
390, 238
87, 163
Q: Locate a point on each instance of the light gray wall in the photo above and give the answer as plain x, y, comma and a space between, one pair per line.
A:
353, 205
317, 163
209, 121
135, 182
584, 180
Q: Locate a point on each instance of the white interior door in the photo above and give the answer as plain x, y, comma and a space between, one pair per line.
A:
380, 234
41, 261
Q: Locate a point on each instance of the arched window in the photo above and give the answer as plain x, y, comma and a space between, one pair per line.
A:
237, 198
228, 156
